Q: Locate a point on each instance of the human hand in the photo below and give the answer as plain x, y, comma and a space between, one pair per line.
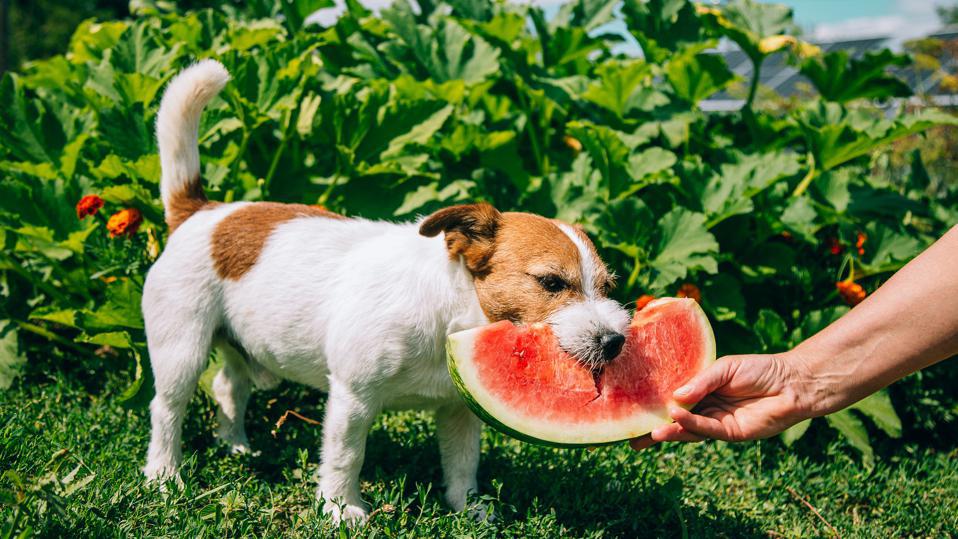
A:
739, 398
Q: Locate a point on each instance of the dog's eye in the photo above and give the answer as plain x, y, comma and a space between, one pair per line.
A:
608, 286
553, 283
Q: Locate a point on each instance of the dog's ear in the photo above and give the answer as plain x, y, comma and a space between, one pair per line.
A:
470, 232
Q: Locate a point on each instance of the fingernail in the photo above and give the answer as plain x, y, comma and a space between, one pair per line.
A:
683, 391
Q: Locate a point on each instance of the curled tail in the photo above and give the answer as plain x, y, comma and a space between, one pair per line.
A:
176, 133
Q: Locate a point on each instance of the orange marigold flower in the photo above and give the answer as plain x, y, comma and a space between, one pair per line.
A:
573, 143
689, 290
124, 222
88, 205
643, 301
860, 242
851, 292
835, 246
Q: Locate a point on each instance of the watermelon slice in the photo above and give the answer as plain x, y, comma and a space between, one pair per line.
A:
520, 381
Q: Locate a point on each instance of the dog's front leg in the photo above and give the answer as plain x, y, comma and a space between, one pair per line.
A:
459, 435
348, 419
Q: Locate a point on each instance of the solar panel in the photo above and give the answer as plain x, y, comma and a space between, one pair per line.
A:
782, 77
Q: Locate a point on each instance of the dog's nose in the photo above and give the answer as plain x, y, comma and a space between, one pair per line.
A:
611, 345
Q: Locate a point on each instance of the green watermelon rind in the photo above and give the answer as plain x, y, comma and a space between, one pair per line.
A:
482, 414
453, 367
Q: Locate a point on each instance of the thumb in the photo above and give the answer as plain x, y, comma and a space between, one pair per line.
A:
715, 376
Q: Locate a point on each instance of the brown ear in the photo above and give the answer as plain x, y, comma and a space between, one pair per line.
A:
470, 232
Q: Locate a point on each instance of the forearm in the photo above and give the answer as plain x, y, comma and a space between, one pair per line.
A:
909, 323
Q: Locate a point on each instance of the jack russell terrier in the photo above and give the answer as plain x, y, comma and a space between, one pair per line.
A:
358, 309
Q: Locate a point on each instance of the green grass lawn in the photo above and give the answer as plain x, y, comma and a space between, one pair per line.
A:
52, 425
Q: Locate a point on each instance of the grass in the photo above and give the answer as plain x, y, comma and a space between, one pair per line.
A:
78, 454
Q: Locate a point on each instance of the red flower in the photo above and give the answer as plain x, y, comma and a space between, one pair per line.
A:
643, 301
124, 222
689, 290
88, 205
860, 242
851, 292
835, 246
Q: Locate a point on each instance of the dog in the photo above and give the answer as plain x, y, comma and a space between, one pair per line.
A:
356, 308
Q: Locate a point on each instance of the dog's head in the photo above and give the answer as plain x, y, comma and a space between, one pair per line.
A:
529, 269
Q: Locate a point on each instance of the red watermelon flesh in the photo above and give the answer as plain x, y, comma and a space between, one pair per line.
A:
518, 377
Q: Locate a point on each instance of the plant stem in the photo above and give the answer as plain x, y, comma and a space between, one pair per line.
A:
46, 287
634, 276
807, 180
753, 87
49, 335
273, 165
887, 268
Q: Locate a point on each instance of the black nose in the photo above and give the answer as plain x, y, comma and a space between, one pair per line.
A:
611, 345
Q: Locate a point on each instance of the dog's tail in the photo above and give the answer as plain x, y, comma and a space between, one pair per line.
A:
176, 133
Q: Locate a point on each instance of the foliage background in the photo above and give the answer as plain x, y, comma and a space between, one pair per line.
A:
393, 116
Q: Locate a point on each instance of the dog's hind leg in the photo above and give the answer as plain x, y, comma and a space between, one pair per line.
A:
231, 389
179, 352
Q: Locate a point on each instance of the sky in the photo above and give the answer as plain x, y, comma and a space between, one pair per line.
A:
827, 20
822, 20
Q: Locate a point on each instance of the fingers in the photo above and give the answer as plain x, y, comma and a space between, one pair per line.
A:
666, 433
674, 432
642, 442
715, 376
700, 425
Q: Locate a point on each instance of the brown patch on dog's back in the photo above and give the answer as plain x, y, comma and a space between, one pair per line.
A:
184, 203
239, 238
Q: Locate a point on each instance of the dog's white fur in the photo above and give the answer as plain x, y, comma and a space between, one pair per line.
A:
356, 308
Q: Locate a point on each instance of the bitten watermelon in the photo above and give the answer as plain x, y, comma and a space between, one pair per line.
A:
520, 381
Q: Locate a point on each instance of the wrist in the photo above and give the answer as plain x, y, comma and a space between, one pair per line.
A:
813, 394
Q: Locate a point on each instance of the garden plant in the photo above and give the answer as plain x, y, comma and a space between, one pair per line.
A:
777, 218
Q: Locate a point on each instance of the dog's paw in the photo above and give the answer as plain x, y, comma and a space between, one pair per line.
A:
352, 515
160, 476
241, 448
481, 513
236, 444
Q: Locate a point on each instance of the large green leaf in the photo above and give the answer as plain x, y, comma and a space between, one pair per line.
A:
729, 192
694, 76
796, 431
878, 408
723, 299
749, 22
448, 53
617, 84
684, 244
662, 26
771, 331
608, 151
576, 192
840, 78
835, 137
814, 322
12, 358
854, 430
801, 218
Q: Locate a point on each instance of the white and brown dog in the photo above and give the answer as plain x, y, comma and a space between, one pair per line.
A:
359, 309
